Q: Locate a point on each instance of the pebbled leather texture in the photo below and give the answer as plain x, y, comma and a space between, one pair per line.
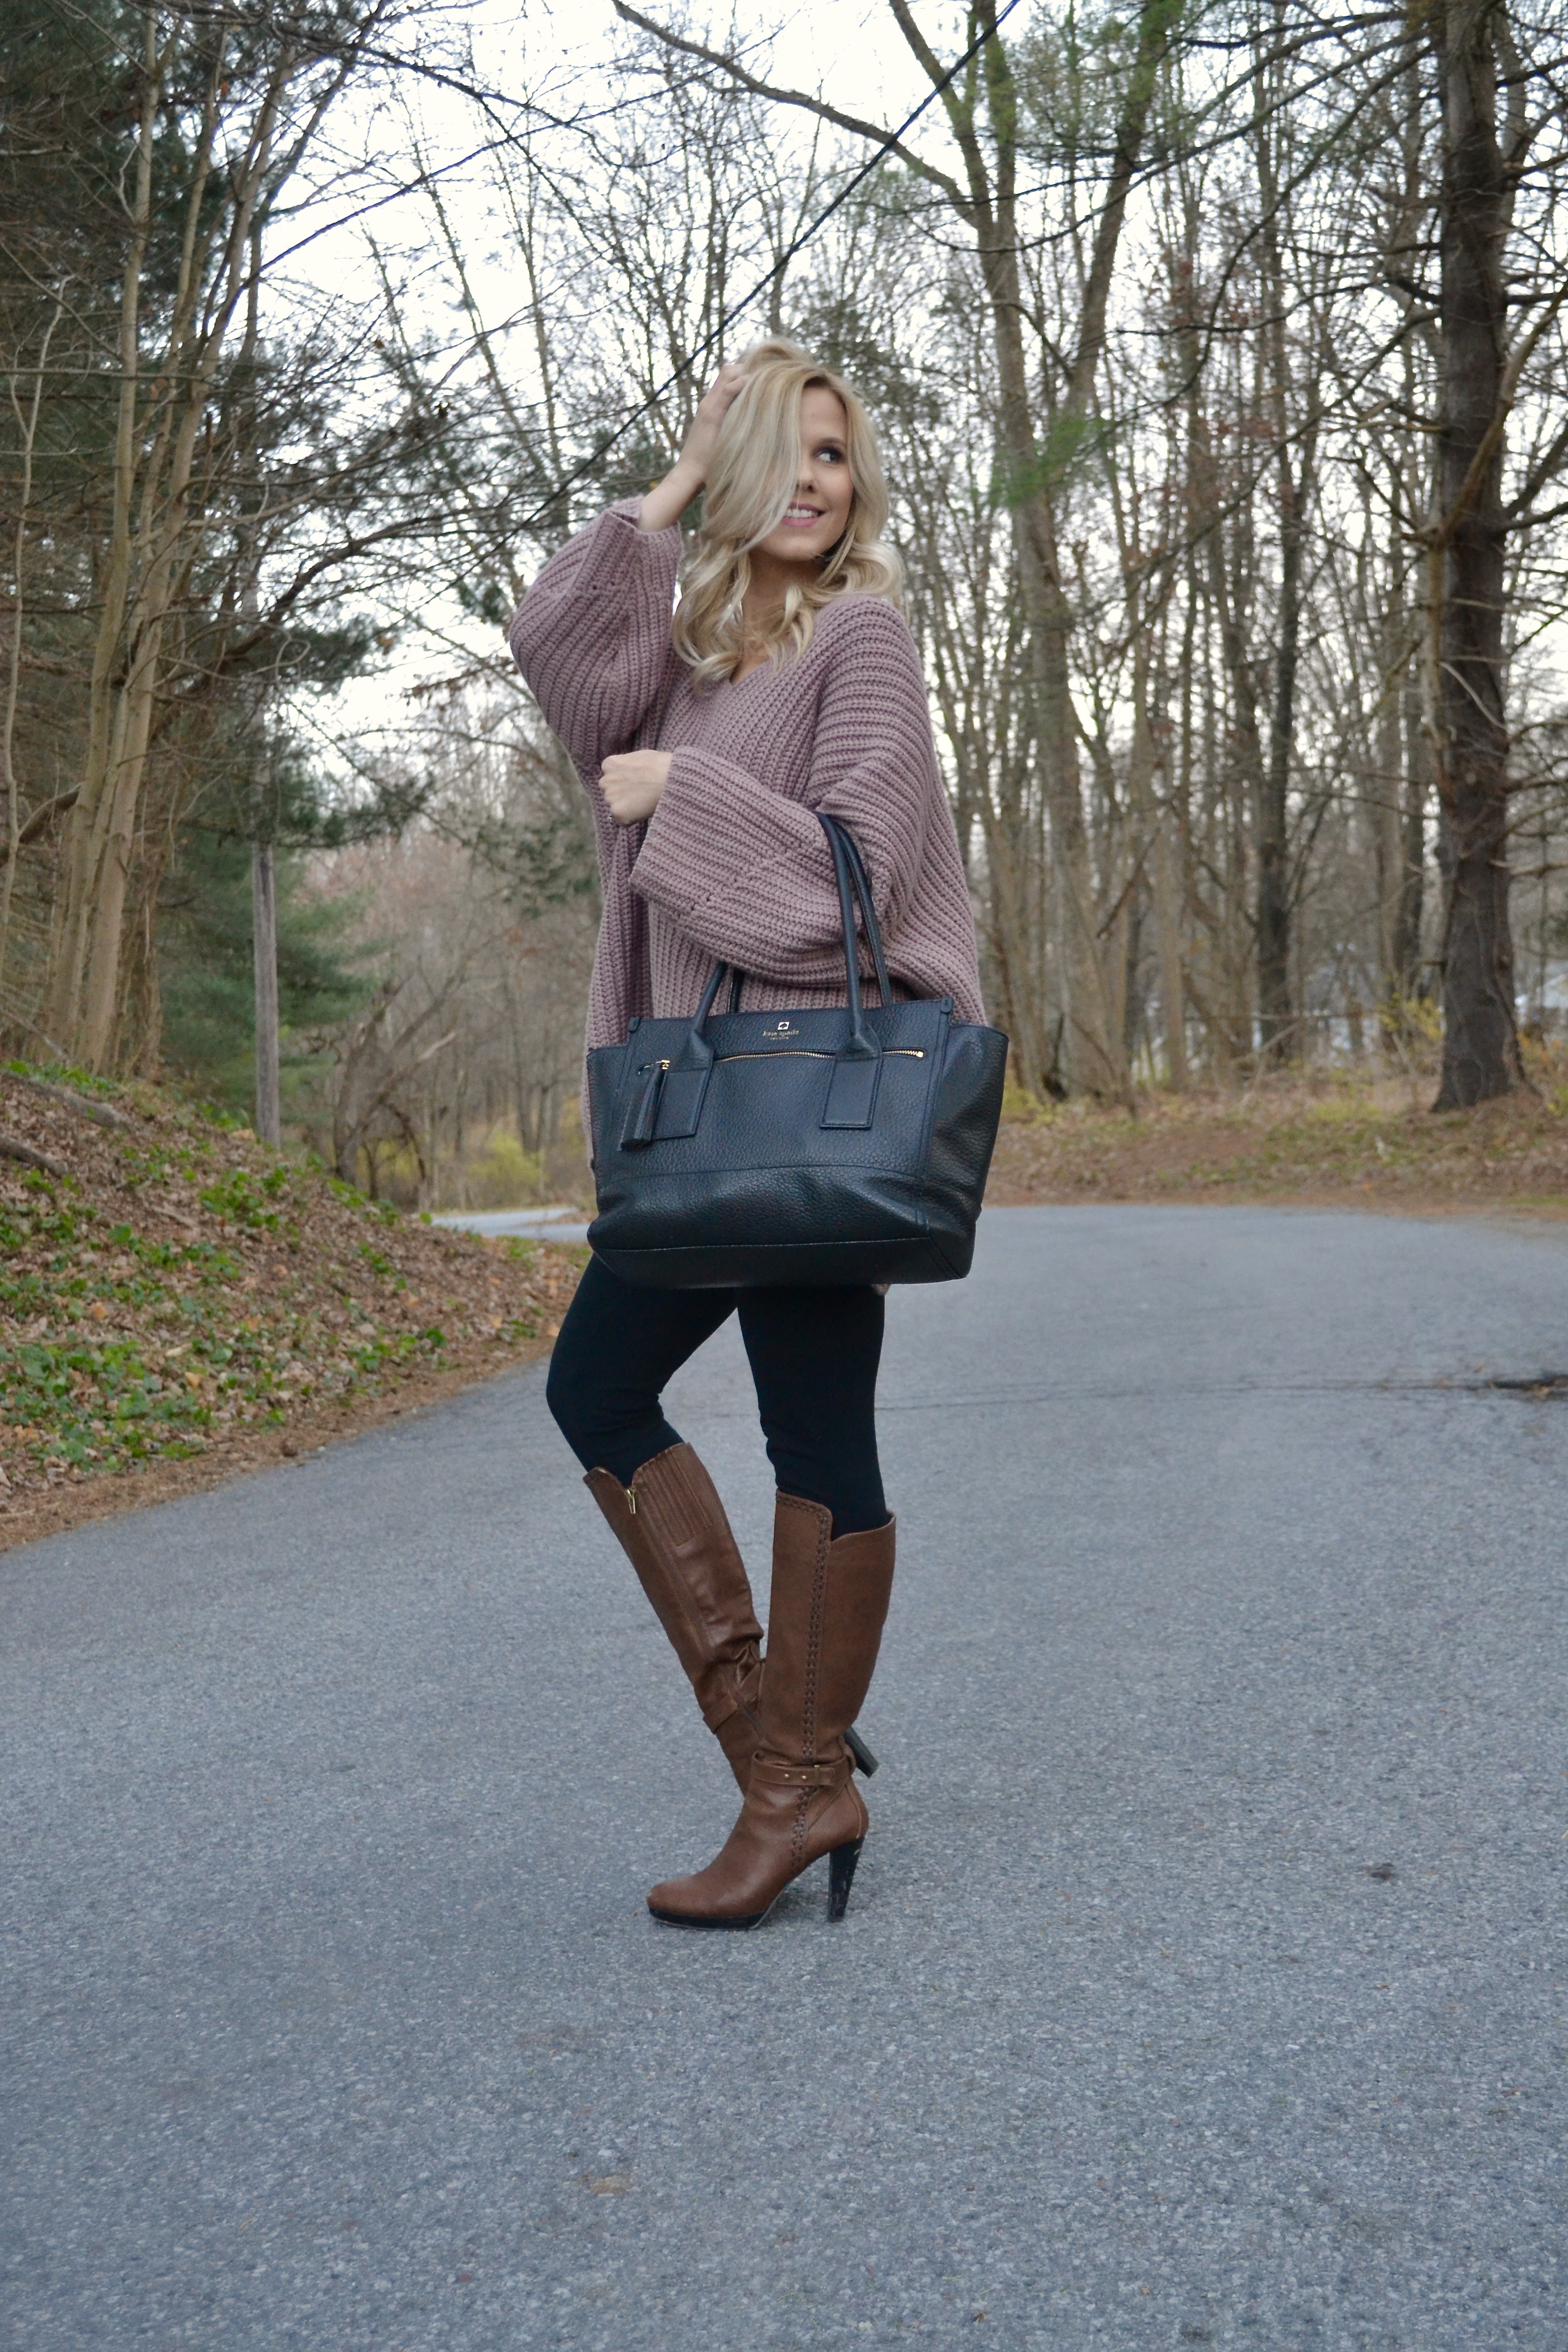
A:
833, 1145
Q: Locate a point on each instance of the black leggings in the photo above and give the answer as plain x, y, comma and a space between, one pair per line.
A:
814, 1357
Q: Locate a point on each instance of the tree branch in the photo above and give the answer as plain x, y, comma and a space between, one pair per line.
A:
817, 106
40, 821
10, 1149
1492, 439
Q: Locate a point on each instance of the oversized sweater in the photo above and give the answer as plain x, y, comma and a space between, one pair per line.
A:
733, 864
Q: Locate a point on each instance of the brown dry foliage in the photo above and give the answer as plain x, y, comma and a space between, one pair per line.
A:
1357, 1142
177, 1303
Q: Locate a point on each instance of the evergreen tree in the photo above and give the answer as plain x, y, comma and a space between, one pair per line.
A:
260, 791
205, 972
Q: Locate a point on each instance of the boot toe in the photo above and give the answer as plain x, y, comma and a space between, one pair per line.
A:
687, 1902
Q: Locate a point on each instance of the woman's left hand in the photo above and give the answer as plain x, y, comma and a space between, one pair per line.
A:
633, 783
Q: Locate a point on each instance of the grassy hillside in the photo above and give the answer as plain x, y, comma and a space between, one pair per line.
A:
176, 1301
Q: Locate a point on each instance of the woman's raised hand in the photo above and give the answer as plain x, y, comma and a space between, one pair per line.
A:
668, 501
697, 451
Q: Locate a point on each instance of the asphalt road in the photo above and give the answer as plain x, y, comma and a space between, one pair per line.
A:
561, 1223
1203, 1981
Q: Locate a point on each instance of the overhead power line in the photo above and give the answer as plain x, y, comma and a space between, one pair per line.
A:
894, 139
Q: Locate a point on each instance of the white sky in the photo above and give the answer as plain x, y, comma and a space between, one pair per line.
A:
557, 51
849, 51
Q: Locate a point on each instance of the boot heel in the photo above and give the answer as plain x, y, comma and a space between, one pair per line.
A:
841, 1864
864, 1761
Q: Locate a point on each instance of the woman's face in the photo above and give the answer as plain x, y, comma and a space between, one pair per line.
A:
818, 514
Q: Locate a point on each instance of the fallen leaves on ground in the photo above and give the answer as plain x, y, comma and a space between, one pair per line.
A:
1358, 1140
169, 1288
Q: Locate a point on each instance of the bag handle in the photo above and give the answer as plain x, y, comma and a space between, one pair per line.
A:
861, 1042
671, 1105
857, 1064
835, 825
850, 874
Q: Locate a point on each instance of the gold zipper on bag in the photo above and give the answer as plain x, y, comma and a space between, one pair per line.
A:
815, 1054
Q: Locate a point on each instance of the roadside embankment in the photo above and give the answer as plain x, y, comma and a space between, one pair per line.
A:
178, 1303
1353, 1142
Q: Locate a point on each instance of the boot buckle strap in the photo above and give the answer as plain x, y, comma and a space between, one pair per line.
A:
799, 1776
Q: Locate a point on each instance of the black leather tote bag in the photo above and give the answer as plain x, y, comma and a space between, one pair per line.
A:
844, 1144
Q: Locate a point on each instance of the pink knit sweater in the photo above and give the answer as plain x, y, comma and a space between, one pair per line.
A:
733, 862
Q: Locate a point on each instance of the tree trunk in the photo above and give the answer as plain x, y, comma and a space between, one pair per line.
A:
1226, 597
1009, 928
1388, 819
153, 525
62, 1002
1408, 961
1093, 1055
1151, 755
1274, 1018
1271, 817
1480, 1044
264, 934
1097, 1060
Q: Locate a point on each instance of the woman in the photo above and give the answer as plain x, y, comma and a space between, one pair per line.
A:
785, 683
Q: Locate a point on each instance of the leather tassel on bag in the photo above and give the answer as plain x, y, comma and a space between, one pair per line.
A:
644, 1117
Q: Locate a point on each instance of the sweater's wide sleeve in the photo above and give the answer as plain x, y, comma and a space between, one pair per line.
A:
746, 871
592, 636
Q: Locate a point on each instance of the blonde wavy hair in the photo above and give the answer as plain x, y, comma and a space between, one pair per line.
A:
752, 479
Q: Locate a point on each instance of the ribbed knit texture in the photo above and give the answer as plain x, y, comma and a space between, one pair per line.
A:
733, 862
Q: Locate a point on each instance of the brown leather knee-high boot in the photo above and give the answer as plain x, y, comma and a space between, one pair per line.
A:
824, 1624
673, 1529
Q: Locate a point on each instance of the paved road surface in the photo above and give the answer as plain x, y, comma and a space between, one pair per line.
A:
561, 1223
1205, 1978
